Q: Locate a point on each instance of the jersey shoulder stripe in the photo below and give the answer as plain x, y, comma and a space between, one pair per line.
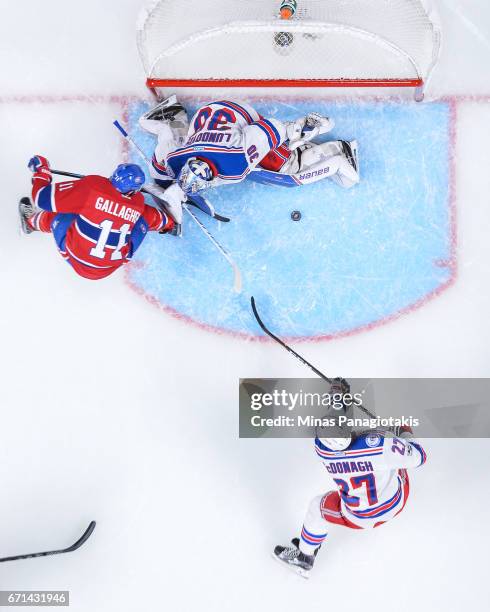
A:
270, 131
238, 108
45, 199
342, 456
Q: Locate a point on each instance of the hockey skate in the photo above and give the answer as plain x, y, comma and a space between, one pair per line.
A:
165, 110
26, 210
169, 111
296, 560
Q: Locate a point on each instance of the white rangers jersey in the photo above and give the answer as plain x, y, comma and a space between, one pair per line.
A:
233, 138
371, 476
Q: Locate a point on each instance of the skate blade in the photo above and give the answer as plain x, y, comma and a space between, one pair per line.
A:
293, 568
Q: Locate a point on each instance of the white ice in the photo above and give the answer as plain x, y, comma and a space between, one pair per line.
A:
112, 410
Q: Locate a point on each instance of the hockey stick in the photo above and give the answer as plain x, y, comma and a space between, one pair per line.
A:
283, 344
64, 173
211, 214
297, 355
237, 285
80, 542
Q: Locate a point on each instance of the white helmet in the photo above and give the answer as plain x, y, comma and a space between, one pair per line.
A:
335, 437
196, 175
336, 444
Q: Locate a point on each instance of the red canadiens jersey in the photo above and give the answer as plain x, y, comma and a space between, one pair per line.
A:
98, 240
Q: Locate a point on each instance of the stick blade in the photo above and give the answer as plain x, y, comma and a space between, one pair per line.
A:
81, 541
87, 533
257, 316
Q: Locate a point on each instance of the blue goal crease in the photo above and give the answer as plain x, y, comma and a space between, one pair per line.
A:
356, 257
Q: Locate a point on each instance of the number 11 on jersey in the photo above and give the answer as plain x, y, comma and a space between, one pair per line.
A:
105, 229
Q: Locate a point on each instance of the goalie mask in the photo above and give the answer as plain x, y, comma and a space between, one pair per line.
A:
196, 175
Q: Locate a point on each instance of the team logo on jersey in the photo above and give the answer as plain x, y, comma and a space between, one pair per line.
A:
373, 440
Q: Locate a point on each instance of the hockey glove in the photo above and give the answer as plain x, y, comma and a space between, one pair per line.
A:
307, 128
172, 200
339, 385
39, 165
37, 162
403, 431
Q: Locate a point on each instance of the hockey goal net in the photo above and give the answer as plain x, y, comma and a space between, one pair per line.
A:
327, 43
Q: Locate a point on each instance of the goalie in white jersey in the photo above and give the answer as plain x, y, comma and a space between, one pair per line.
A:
226, 141
370, 471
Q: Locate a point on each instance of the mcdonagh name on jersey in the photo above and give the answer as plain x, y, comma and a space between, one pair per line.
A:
347, 467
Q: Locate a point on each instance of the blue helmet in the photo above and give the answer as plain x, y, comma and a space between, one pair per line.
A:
128, 177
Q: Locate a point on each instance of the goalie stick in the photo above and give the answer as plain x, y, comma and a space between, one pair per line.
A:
80, 542
237, 284
211, 212
266, 330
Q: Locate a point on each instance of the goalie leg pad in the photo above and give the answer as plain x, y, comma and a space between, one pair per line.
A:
341, 157
348, 166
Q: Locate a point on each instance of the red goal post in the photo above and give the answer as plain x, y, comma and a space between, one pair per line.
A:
327, 43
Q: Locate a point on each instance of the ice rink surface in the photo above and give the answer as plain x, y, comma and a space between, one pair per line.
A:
357, 258
113, 410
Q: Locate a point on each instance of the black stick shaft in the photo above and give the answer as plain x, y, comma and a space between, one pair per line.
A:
297, 355
64, 173
283, 344
88, 532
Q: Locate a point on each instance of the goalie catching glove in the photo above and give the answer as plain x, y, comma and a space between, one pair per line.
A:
307, 128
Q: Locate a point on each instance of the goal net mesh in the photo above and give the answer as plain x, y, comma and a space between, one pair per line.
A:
325, 40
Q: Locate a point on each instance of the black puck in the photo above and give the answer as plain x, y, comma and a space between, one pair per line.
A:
296, 215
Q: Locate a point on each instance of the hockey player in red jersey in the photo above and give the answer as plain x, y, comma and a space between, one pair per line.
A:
370, 472
97, 222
